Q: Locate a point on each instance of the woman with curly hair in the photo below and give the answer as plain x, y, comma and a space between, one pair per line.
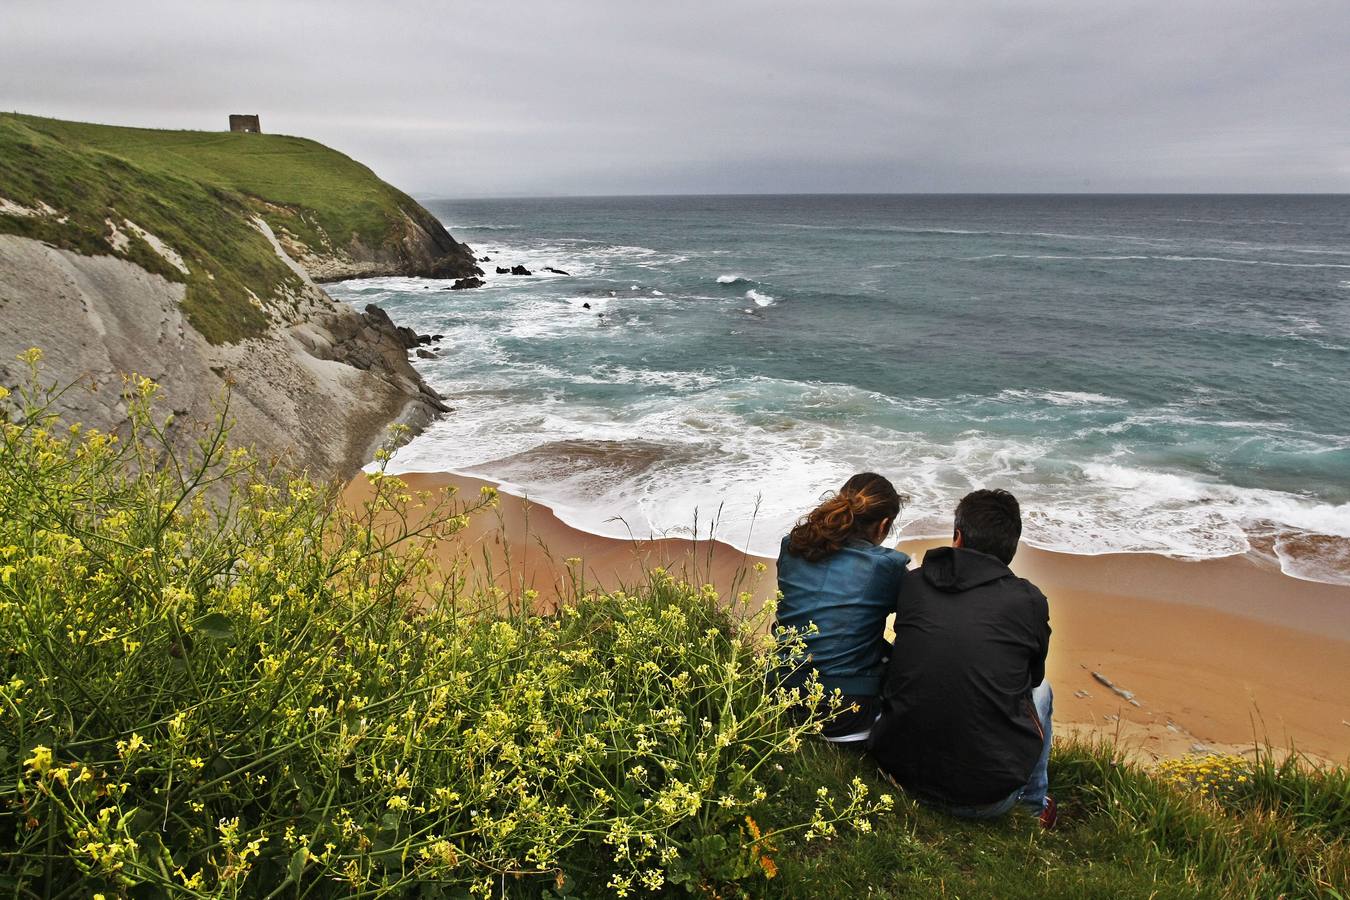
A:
838, 585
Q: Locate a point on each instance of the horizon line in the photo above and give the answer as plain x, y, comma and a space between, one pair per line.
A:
431, 197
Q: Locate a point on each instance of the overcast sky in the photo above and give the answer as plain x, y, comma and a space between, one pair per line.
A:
505, 97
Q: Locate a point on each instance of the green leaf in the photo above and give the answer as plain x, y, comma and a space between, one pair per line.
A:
216, 625
298, 860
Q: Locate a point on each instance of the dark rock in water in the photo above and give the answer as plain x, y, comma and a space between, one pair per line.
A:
520, 270
378, 317
466, 283
554, 271
424, 339
585, 306
485, 259
380, 321
433, 399
426, 354
436, 338
503, 270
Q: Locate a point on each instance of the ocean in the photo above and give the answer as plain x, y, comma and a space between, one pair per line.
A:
1164, 374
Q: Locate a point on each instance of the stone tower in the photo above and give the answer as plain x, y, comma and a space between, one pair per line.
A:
245, 123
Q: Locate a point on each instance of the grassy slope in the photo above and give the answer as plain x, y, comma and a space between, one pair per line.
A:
196, 191
1123, 833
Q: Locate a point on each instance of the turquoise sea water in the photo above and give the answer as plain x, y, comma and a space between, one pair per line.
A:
1166, 374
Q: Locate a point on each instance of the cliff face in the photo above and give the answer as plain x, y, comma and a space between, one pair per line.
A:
169, 255
417, 244
318, 393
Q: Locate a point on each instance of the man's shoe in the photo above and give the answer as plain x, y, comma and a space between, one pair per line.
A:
1049, 816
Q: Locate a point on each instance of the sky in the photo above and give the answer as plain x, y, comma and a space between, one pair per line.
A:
577, 97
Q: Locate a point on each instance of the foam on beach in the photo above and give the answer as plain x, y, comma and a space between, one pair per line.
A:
702, 461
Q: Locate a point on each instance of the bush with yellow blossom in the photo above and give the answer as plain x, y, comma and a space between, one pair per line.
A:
217, 681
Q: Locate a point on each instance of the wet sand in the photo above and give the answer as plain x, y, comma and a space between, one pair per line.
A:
1219, 654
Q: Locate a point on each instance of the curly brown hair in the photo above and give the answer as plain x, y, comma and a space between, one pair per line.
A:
854, 511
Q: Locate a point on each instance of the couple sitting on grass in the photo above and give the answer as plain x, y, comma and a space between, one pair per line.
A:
957, 710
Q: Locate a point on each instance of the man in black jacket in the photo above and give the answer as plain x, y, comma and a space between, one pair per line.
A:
965, 709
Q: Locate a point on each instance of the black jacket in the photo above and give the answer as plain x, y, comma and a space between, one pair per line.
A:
957, 724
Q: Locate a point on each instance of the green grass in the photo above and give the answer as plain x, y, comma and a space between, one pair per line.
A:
331, 197
198, 191
1123, 833
219, 682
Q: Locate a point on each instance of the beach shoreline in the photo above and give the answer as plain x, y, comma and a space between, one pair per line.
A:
1220, 655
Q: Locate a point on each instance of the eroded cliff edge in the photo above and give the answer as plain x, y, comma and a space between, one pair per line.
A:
192, 261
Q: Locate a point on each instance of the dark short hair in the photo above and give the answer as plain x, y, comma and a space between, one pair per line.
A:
990, 522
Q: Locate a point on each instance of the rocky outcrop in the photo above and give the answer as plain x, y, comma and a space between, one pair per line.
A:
379, 319
418, 245
318, 390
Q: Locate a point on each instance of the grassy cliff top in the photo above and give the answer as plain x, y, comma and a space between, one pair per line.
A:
198, 193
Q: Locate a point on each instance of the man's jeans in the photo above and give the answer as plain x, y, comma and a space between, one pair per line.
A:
1033, 793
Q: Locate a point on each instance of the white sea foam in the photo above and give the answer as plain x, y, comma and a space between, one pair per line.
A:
1255, 262
760, 299
1307, 557
400, 285
1061, 398
579, 258
967, 232
1068, 257
732, 279
1231, 222
757, 473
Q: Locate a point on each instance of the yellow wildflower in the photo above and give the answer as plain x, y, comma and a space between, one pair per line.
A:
128, 747
40, 761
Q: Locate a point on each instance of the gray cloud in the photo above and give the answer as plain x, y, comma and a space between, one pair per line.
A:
624, 96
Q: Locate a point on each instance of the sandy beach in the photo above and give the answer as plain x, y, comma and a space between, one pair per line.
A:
1219, 654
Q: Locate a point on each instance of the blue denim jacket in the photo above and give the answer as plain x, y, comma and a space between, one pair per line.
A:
848, 595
